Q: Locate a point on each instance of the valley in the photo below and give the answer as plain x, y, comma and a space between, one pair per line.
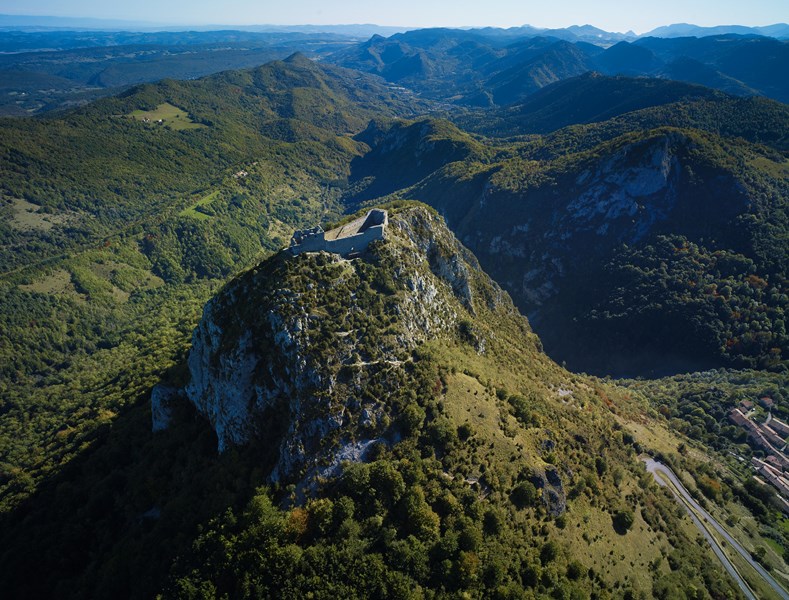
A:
585, 262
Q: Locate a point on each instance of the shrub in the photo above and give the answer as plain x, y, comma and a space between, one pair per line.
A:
623, 520
524, 494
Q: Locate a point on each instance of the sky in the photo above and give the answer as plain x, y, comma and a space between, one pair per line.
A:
611, 15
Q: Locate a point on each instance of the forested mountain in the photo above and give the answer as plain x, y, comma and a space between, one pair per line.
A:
592, 108
390, 424
472, 467
753, 61
212, 128
613, 200
588, 98
482, 69
109, 249
468, 67
44, 71
562, 222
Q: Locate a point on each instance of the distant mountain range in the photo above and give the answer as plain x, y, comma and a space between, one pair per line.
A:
592, 34
778, 30
587, 33
48, 63
16, 22
486, 68
43, 71
44, 23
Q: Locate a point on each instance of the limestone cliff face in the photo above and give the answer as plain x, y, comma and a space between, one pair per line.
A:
557, 235
637, 190
621, 199
562, 218
298, 340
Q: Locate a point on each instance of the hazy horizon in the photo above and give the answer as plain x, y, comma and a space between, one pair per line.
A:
638, 16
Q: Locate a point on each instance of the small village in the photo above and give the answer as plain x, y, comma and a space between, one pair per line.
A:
769, 436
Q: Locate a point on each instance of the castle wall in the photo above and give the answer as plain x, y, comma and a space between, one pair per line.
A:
313, 243
355, 243
371, 229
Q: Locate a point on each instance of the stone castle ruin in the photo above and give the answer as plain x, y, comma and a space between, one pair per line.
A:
350, 238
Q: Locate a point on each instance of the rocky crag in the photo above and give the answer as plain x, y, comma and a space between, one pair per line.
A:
402, 387
606, 249
300, 341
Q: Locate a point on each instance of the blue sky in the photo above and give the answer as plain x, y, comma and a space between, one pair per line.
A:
612, 15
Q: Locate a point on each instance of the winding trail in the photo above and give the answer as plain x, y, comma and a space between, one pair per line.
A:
661, 473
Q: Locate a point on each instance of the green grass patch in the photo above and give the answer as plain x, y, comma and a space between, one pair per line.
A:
167, 115
195, 211
615, 557
57, 283
27, 216
778, 170
123, 278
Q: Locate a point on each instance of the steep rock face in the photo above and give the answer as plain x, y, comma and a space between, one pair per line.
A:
161, 409
642, 191
288, 349
554, 234
620, 199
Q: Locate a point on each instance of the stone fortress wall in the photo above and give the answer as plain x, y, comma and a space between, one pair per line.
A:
348, 239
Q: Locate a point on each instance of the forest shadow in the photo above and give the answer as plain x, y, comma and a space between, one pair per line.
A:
111, 522
582, 351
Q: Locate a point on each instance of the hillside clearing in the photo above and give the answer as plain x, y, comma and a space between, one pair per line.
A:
168, 115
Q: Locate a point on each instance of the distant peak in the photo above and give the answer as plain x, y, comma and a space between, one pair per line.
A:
298, 58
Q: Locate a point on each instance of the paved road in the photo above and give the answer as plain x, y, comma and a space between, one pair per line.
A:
687, 500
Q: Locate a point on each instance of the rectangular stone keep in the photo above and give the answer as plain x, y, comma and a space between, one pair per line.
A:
347, 239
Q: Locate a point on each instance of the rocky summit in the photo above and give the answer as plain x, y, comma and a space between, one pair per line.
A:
305, 338
400, 395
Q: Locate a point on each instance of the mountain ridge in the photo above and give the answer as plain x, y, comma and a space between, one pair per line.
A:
450, 65
467, 67
780, 30
523, 217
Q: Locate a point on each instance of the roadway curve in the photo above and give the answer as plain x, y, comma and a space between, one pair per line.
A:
688, 502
